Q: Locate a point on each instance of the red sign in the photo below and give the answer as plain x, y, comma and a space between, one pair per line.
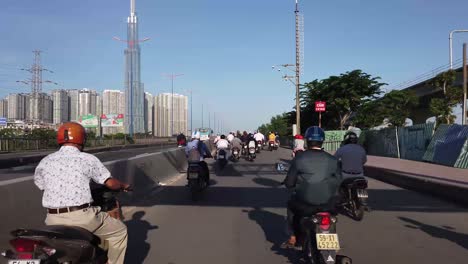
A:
320, 106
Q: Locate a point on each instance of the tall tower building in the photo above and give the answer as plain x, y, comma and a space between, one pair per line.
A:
4, 107
162, 114
149, 110
18, 107
73, 104
113, 102
134, 92
60, 105
87, 102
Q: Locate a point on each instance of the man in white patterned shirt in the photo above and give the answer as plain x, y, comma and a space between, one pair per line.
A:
64, 176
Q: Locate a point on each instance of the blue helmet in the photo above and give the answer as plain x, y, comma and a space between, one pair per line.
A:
315, 133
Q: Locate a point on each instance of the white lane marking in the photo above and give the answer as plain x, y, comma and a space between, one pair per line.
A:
27, 178
12, 181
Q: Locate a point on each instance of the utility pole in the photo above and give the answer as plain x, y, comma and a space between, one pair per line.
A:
36, 105
298, 68
465, 79
299, 37
202, 116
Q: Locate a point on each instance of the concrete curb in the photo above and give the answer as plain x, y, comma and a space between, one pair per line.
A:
28, 159
457, 193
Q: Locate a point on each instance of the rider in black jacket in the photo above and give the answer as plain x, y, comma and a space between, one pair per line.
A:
314, 177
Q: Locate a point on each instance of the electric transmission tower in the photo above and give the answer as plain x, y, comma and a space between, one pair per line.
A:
36, 103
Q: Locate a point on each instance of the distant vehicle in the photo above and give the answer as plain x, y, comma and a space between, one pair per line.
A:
205, 133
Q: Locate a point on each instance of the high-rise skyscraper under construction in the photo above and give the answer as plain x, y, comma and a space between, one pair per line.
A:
134, 91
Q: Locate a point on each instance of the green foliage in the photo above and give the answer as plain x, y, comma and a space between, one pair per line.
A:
345, 95
42, 133
442, 108
396, 106
277, 124
10, 133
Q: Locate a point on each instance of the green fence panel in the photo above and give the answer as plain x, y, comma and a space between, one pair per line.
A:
447, 145
335, 135
380, 142
462, 161
414, 140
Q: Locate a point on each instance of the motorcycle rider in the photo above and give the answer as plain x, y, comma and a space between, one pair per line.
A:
222, 144
236, 143
181, 140
352, 156
230, 137
271, 137
314, 177
259, 137
196, 151
64, 178
298, 144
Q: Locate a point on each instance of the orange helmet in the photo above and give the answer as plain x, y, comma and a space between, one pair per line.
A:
71, 132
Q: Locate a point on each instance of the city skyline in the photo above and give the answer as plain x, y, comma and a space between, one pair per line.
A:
380, 38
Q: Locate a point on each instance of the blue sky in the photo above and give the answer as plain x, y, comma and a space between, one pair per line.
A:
225, 49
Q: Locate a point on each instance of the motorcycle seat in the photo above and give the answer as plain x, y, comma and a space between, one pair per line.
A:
359, 180
61, 232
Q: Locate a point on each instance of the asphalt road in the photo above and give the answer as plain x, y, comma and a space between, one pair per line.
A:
241, 219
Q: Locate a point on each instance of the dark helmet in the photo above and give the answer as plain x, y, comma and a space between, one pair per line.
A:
350, 138
223, 137
315, 133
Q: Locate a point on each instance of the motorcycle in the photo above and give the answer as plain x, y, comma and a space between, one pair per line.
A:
296, 151
353, 193
271, 145
251, 156
259, 146
196, 182
320, 242
64, 244
235, 154
221, 158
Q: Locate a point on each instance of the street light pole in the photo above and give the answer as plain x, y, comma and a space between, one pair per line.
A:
451, 44
465, 79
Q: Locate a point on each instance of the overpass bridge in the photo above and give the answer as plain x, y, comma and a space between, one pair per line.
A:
425, 91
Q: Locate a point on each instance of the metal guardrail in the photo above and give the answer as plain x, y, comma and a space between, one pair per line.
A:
22, 144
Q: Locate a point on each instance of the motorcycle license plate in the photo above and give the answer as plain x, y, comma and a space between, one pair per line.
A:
26, 261
193, 175
327, 242
235, 152
221, 156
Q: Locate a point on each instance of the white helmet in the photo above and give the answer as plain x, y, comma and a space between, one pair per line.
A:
196, 135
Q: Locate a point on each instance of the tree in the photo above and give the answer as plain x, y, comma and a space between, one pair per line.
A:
277, 123
442, 108
397, 105
345, 95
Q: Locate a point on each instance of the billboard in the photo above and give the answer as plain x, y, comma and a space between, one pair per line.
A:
112, 120
3, 121
88, 121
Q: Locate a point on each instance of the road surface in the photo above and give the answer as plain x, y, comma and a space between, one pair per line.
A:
241, 219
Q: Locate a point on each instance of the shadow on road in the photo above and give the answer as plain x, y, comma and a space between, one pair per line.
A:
438, 232
408, 201
273, 226
267, 182
138, 229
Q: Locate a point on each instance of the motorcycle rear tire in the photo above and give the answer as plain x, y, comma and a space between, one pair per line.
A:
357, 210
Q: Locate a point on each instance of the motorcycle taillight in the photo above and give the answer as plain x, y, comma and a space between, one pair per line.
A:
325, 221
24, 245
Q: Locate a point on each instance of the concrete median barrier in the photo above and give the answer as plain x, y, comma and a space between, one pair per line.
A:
21, 204
453, 191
